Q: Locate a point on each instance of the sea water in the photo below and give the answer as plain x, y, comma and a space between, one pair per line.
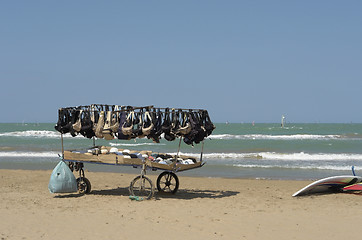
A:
241, 150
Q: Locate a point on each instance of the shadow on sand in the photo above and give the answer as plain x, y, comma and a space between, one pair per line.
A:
189, 194
186, 194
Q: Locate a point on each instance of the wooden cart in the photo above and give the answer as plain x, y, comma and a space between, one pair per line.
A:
141, 185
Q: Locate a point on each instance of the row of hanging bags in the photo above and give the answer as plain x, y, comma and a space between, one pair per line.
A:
109, 122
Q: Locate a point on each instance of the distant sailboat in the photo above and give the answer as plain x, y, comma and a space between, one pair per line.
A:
283, 121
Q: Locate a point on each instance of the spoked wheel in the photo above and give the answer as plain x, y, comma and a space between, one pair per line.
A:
84, 185
142, 186
167, 182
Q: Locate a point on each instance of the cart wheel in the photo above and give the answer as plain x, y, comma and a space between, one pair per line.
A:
142, 186
84, 185
167, 182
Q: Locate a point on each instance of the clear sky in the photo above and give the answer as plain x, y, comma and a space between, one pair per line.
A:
244, 61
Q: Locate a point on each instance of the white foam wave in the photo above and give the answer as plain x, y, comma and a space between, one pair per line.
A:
36, 134
55, 134
135, 144
277, 156
273, 137
272, 156
32, 133
286, 156
29, 154
311, 156
323, 167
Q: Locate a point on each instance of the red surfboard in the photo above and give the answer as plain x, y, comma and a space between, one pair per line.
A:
353, 187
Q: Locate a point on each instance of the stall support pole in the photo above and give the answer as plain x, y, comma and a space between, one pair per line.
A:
94, 142
178, 150
61, 137
202, 150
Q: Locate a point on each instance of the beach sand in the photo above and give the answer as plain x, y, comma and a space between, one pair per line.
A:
203, 208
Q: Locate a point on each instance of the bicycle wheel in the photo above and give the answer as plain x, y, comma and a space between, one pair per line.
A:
167, 182
84, 185
142, 186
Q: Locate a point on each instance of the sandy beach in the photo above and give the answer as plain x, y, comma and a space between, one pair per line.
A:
203, 208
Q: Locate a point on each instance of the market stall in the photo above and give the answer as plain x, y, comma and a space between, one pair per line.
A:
98, 121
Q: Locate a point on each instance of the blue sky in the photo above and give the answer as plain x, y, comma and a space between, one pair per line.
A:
244, 61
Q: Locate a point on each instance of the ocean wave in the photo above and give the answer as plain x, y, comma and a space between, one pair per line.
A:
29, 154
301, 156
257, 156
135, 144
55, 134
274, 137
36, 134
273, 156
322, 167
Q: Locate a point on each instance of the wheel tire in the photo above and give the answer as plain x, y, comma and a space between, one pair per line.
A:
84, 185
142, 187
167, 182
